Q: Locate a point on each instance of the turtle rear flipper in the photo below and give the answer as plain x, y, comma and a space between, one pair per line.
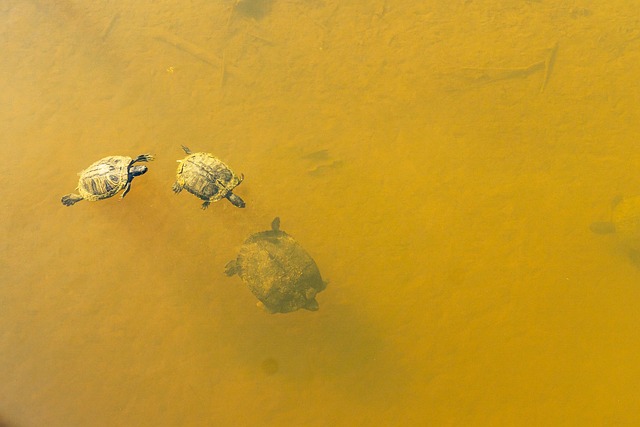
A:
231, 268
70, 199
269, 310
312, 305
603, 227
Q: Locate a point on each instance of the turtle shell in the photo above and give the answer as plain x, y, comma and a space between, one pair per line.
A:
206, 177
278, 271
104, 178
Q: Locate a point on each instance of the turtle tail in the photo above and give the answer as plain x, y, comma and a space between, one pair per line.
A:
71, 199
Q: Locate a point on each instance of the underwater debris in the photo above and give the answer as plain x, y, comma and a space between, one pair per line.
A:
482, 76
185, 46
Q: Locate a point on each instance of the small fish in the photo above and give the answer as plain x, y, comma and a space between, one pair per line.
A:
317, 155
321, 169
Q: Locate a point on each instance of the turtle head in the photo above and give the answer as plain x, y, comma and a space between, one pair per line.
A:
235, 200
137, 170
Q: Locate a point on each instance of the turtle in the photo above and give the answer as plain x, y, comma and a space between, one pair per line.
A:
106, 177
208, 178
625, 223
278, 271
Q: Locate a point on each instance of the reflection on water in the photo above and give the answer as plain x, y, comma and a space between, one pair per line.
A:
442, 162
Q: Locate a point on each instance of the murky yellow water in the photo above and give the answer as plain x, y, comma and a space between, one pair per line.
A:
440, 160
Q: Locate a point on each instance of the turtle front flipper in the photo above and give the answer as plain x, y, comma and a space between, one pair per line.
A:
206, 204
127, 187
71, 199
143, 158
186, 149
176, 187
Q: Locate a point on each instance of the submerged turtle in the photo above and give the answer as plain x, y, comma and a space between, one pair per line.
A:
208, 178
106, 177
625, 223
278, 271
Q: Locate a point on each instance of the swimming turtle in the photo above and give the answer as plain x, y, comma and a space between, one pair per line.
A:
208, 178
107, 177
278, 271
625, 223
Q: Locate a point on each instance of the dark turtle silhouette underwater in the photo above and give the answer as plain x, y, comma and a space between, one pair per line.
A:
278, 271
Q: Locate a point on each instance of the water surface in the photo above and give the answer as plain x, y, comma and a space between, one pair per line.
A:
441, 161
